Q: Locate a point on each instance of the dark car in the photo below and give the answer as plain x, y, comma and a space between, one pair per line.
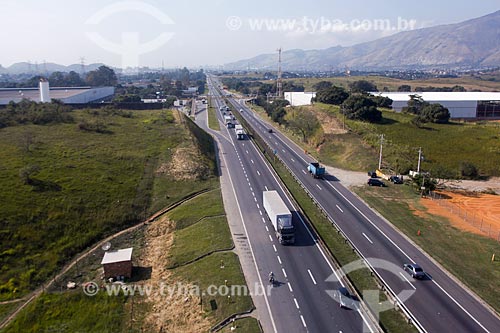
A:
376, 182
372, 174
415, 271
345, 299
395, 180
269, 130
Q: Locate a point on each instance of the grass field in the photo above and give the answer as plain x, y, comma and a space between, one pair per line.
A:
89, 185
71, 312
463, 254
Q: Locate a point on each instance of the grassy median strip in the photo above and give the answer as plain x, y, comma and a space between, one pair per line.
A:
213, 123
462, 253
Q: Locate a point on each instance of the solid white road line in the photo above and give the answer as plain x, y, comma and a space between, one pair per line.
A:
460, 306
311, 275
367, 238
404, 277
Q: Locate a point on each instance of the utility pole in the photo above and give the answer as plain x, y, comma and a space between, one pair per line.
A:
419, 159
380, 157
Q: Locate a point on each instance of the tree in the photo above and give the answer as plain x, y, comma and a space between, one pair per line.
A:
302, 121
415, 105
332, 95
468, 170
362, 86
434, 113
404, 88
361, 107
382, 102
103, 76
322, 85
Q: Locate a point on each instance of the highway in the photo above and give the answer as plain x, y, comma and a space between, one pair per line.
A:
436, 304
299, 302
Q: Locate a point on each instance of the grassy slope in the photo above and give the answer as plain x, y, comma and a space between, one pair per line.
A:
64, 313
464, 254
90, 184
206, 235
213, 123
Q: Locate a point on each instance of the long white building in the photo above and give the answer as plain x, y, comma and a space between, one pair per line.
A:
462, 105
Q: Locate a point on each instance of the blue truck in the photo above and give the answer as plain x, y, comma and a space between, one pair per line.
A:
316, 170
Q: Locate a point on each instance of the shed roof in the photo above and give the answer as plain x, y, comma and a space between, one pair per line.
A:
117, 256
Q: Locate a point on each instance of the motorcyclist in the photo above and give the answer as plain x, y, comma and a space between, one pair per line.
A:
271, 277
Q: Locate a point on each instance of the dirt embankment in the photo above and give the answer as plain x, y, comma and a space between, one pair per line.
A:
176, 312
186, 164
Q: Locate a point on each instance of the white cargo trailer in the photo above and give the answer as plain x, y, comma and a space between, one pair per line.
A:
280, 217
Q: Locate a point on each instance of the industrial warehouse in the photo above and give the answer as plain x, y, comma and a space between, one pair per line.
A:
67, 95
462, 105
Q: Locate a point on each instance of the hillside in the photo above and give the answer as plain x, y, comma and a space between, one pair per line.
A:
471, 44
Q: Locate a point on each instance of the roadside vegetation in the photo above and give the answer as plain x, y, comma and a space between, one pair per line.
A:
71, 312
64, 188
194, 230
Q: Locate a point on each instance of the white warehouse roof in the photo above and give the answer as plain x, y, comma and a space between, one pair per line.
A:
432, 96
117, 256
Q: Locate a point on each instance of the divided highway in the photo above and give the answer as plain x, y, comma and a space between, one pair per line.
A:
436, 304
299, 302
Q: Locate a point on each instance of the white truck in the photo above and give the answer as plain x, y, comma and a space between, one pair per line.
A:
228, 120
280, 217
240, 132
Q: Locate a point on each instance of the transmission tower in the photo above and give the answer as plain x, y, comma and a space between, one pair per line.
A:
279, 81
82, 65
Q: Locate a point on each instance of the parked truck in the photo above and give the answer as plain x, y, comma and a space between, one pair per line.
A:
280, 217
316, 170
240, 132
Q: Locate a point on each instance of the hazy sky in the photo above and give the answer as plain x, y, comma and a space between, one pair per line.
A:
193, 33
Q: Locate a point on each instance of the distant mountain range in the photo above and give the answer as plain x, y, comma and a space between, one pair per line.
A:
471, 44
29, 68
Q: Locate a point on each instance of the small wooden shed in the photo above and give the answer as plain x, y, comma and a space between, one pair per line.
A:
117, 263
